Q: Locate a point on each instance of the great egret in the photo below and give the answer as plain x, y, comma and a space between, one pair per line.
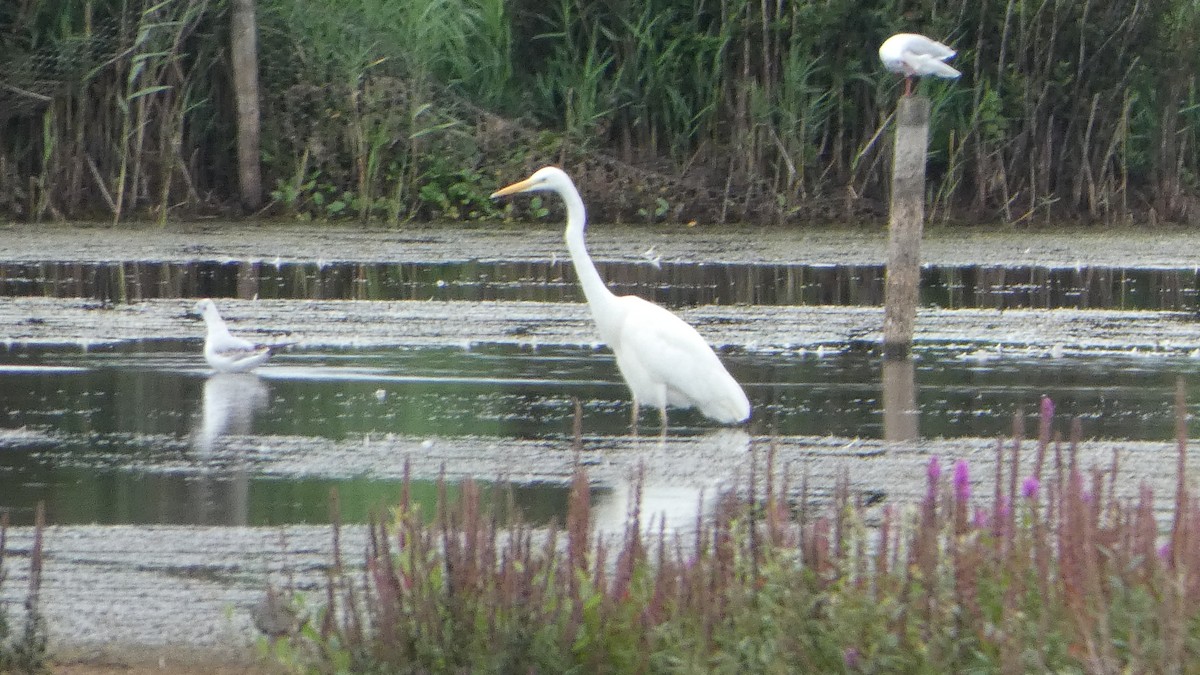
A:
915, 55
224, 352
663, 359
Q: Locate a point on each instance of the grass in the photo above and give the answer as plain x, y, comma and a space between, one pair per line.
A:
1050, 572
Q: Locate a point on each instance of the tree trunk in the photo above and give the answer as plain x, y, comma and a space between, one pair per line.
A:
244, 48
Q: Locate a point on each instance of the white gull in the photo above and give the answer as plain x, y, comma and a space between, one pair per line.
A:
914, 55
224, 352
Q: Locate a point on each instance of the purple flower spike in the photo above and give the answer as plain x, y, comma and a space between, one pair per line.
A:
1164, 551
850, 658
935, 469
962, 481
1047, 408
982, 518
1029, 488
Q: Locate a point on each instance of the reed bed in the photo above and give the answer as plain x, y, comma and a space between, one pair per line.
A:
764, 111
1050, 572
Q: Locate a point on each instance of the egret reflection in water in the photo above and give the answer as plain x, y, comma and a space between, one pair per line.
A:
230, 402
665, 504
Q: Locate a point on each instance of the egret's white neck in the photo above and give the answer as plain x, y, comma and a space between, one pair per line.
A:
598, 295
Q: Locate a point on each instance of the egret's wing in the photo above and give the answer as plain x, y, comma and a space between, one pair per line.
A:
670, 351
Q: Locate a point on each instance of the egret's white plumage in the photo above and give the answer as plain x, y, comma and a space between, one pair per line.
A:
914, 55
224, 352
663, 359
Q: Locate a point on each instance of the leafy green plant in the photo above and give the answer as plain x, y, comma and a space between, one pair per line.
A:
661, 207
537, 208
455, 194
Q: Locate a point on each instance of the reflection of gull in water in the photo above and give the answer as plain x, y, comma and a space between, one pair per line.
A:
230, 402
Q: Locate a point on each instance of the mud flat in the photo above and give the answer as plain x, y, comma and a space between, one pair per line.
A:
313, 324
312, 242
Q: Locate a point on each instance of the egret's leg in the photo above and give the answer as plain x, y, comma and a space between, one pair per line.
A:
633, 422
908, 85
661, 398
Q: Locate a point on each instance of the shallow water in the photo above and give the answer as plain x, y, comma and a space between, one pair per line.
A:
670, 283
139, 434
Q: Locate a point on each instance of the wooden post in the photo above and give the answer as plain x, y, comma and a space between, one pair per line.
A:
244, 55
904, 226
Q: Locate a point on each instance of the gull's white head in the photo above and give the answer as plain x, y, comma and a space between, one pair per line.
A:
207, 309
547, 178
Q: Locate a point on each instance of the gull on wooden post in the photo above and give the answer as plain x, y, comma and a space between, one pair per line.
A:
914, 55
224, 352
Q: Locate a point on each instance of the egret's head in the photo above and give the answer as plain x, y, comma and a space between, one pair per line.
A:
548, 178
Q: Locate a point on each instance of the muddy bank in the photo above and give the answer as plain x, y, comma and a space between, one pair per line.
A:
313, 242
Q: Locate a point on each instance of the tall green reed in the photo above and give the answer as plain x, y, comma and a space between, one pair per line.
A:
377, 109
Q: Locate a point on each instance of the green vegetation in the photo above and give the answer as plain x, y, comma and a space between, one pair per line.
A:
718, 109
24, 650
1051, 572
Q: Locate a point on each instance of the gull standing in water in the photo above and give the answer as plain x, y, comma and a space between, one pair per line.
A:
914, 55
224, 352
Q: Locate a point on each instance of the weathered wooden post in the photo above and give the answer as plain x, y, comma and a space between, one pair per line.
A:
904, 226
244, 56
